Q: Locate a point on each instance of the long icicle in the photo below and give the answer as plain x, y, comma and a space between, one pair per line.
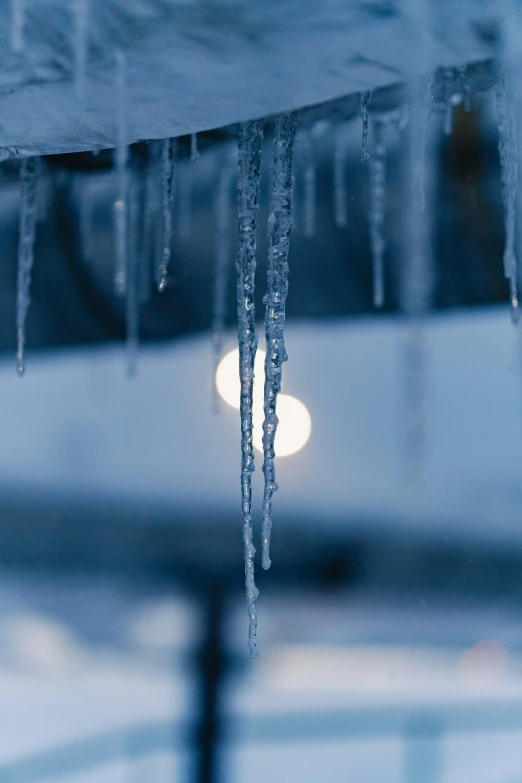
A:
279, 230
194, 151
341, 148
416, 293
121, 155
508, 154
223, 248
377, 171
167, 178
27, 233
250, 142
132, 300
149, 265
364, 99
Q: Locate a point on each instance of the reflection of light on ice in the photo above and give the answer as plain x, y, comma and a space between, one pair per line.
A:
295, 423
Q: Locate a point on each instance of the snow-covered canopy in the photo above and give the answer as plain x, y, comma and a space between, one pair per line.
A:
193, 65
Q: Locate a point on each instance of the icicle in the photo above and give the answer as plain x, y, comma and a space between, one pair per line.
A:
28, 217
508, 153
223, 208
448, 102
364, 99
121, 154
250, 142
17, 26
341, 149
279, 229
416, 289
194, 151
185, 202
151, 218
132, 305
309, 184
81, 25
377, 171
167, 177
417, 280
465, 89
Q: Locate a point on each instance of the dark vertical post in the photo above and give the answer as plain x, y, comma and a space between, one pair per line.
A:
211, 665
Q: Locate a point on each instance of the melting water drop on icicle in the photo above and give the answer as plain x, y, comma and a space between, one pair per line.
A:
341, 149
167, 179
81, 29
508, 154
121, 154
364, 99
223, 248
309, 184
250, 142
377, 171
279, 229
27, 233
17, 38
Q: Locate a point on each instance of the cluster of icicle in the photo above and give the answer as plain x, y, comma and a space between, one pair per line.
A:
250, 146
377, 130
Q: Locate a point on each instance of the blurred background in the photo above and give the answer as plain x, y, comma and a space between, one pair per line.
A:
390, 627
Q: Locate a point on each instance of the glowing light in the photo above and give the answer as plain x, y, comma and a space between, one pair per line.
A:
295, 423
227, 376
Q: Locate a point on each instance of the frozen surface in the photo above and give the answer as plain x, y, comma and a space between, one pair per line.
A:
196, 65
